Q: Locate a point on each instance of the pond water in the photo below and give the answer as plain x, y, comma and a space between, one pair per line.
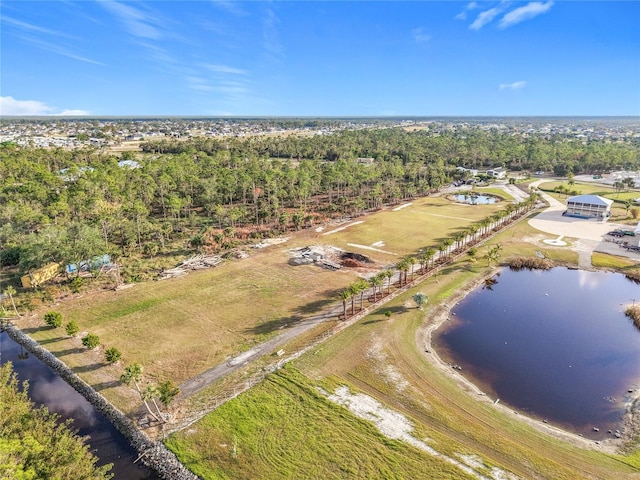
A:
46, 388
474, 199
554, 344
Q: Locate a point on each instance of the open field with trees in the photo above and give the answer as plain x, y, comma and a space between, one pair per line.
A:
219, 197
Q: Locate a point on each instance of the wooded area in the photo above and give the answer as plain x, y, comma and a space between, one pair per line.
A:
211, 194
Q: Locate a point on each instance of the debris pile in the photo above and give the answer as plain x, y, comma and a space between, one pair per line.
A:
326, 257
198, 262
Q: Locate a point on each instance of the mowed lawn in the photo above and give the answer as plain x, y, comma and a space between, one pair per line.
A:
181, 327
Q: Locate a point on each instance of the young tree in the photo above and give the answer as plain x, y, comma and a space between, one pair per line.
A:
91, 341
167, 391
112, 355
133, 373
53, 319
10, 292
420, 299
345, 295
72, 328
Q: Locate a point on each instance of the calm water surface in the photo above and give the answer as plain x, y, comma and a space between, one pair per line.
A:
46, 388
474, 199
555, 344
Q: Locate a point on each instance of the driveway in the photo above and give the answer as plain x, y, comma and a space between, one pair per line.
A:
590, 232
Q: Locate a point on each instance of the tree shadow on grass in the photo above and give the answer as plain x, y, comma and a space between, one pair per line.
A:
87, 368
380, 312
69, 351
51, 340
328, 297
35, 329
272, 325
105, 385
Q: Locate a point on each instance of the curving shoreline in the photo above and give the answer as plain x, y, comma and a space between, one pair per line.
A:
442, 313
152, 453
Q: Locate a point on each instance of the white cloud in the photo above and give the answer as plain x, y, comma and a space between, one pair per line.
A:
419, 35
230, 7
485, 17
513, 86
270, 33
73, 113
11, 106
531, 10
32, 28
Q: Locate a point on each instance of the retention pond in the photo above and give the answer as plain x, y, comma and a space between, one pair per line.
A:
554, 344
46, 388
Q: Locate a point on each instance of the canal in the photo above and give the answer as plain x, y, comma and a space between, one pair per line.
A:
46, 388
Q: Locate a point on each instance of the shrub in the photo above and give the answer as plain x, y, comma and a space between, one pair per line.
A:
112, 355
91, 341
53, 319
633, 313
532, 263
75, 284
72, 328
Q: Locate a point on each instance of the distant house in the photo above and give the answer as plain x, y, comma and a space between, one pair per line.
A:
472, 171
588, 206
497, 173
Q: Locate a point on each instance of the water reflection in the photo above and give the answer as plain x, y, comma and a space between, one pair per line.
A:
46, 388
553, 343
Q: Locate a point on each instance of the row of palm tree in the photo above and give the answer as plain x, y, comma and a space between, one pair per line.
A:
429, 257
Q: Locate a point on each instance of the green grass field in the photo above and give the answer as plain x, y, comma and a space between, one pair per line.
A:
284, 427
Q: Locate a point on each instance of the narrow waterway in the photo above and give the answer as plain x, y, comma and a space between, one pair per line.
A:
46, 388
555, 344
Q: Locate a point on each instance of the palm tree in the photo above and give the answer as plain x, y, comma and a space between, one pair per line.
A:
362, 287
354, 289
133, 373
411, 261
420, 298
458, 238
10, 292
345, 295
403, 268
376, 282
389, 275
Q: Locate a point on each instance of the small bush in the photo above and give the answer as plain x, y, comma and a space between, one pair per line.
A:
112, 355
633, 313
91, 341
532, 263
72, 328
53, 319
75, 284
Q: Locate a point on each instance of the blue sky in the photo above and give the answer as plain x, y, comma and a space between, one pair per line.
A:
319, 58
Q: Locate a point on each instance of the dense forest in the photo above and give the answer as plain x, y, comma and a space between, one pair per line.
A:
210, 194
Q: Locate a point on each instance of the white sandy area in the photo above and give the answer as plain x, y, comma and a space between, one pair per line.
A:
402, 206
365, 247
394, 425
344, 227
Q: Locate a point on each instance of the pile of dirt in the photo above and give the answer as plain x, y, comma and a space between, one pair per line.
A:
358, 257
349, 262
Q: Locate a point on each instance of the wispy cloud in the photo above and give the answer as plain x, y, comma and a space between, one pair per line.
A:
463, 14
485, 17
230, 7
420, 36
58, 49
29, 27
520, 14
270, 24
513, 86
137, 22
224, 69
11, 106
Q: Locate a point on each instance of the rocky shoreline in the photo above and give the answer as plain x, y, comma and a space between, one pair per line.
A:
152, 453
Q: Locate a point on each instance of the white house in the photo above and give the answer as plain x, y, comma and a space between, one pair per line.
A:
588, 206
498, 173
